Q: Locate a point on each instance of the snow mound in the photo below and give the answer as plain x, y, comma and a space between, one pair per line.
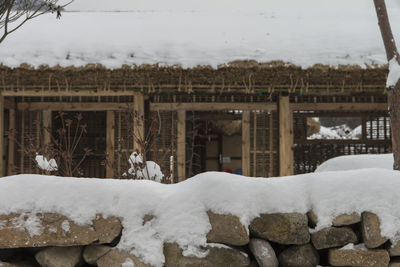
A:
355, 162
304, 37
180, 210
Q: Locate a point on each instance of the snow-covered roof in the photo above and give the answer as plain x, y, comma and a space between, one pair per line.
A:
302, 37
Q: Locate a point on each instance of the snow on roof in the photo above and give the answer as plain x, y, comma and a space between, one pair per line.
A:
300, 36
180, 209
355, 162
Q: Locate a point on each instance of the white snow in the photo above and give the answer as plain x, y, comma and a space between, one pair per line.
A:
351, 246
65, 226
150, 171
303, 37
355, 162
337, 132
180, 209
128, 263
394, 73
46, 165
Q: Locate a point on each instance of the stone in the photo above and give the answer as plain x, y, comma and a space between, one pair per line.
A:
227, 229
93, 252
371, 230
59, 256
116, 258
331, 237
55, 230
221, 256
16, 264
394, 263
299, 256
312, 218
282, 228
357, 257
263, 252
346, 219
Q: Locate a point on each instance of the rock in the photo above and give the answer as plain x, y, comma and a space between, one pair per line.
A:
357, 257
346, 219
299, 256
227, 229
394, 263
282, 228
331, 237
93, 252
263, 252
59, 256
15, 264
312, 218
371, 231
116, 258
50, 229
221, 256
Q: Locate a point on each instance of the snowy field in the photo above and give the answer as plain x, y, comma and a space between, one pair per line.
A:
176, 207
300, 36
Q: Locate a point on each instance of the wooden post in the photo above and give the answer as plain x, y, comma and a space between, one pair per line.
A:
246, 143
2, 162
11, 143
47, 127
138, 124
110, 127
285, 137
181, 145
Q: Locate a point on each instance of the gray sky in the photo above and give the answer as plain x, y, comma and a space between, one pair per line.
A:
218, 5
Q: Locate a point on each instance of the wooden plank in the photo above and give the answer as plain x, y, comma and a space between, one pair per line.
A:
271, 145
54, 93
138, 124
181, 145
11, 143
213, 106
246, 143
110, 137
47, 124
340, 106
82, 106
254, 144
22, 156
2, 143
286, 162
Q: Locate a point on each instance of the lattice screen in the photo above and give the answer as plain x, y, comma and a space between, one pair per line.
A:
264, 144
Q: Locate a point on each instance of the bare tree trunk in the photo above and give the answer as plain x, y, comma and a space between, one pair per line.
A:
393, 92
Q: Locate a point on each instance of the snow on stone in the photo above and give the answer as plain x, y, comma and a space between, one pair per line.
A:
303, 37
179, 210
351, 246
355, 162
46, 165
128, 263
65, 226
394, 73
32, 224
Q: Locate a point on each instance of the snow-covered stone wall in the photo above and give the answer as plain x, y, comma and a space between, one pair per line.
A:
342, 218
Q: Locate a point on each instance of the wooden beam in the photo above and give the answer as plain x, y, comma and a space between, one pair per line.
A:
139, 121
82, 106
54, 93
47, 124
181, 145
339, 106
214, 106
110, 128
11, 143
286, 162
2, 152
246, 143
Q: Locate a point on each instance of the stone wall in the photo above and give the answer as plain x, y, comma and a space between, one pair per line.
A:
281, 239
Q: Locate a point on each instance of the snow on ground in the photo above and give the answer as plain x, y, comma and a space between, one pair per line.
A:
303, 37
355, 162
180, 209
337, 132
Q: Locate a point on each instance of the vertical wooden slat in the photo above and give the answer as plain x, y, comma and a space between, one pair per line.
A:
11, 143
255, 144
181, 145
271, 145
285, 137
2, 161
22, 155
110, 138
246, 143
47, 125
138, 124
